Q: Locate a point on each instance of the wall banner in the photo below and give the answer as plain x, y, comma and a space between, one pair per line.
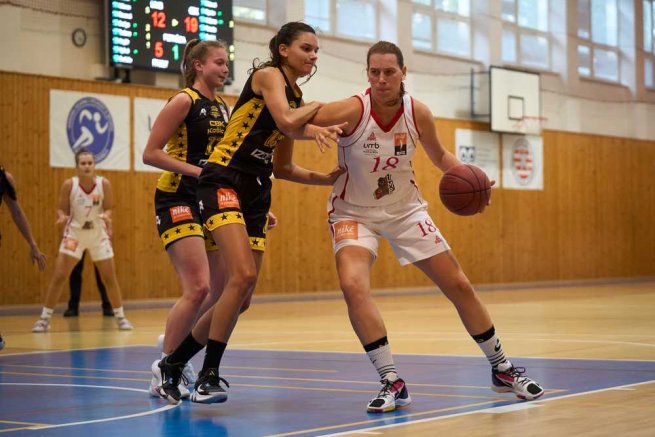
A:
479, 148
145, 113
523, 162
98, 122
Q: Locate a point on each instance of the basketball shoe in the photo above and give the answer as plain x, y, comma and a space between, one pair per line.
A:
168, 381
2, 343
41, 325
124, 324
189, 373
156, 383
393, 395
507, 378
208, 388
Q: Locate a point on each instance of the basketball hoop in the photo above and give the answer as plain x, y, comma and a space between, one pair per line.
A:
530, 124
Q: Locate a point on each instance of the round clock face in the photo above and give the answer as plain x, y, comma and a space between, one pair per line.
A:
79, 37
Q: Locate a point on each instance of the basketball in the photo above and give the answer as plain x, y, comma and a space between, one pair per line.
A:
465, 190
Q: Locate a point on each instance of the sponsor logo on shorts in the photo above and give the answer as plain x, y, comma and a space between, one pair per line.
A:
345, 230
400, 144
227, 198
70, 244
179, 213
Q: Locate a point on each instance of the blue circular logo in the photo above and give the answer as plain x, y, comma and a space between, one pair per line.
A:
90, 125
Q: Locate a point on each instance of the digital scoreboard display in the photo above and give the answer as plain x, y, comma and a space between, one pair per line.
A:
152, 34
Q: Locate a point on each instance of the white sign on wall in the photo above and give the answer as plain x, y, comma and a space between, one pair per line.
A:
479, 148
523, 162
145, 113
97, 122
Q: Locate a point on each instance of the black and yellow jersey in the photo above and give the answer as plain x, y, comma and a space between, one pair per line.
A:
252, 134
194, 140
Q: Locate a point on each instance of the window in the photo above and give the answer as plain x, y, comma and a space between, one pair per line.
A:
443, 26
598, 53
250, 10
526, 39
353, 19
649, 42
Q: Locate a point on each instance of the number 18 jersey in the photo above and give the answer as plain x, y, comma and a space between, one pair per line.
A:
378, 158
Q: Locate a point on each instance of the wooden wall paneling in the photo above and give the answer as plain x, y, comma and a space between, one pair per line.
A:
594, 218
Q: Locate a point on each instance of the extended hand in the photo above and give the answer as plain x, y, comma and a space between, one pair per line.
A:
37, 258
272, 221
334, 174
324, 136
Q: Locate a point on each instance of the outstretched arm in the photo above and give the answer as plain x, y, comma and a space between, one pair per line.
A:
23, 225
285, 168
439, 156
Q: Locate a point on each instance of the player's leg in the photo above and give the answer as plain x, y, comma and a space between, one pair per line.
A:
354, 270
444, 270
63, 267
107, 270
75, 286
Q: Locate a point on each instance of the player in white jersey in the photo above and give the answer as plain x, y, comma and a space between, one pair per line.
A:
85, 203
377, 198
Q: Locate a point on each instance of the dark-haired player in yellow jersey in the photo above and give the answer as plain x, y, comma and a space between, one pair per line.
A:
234, 193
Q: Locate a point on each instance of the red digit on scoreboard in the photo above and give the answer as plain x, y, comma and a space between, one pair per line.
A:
159, 49
158, 19
191, 24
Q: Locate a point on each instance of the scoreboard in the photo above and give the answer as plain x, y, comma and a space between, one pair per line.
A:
151, 34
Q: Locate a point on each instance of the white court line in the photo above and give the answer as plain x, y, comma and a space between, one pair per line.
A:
449, 416
108, 419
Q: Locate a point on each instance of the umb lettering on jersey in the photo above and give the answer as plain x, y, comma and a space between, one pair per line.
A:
345, 230
227, 198
179, 213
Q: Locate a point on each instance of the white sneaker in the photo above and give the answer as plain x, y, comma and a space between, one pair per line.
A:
189, 374
156, 382
124, 324
41, 325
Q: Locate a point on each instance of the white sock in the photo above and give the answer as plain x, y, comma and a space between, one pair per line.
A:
118, 313
383, 362
46, 313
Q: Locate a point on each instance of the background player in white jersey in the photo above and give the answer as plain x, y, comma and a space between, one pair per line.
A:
378, 198
85, 203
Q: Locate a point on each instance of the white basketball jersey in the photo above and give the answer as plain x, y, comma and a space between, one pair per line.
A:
85, 208
378, 159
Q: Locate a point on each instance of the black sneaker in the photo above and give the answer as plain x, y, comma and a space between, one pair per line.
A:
171, 376
107, 311
71, 312
208, 388
2, 343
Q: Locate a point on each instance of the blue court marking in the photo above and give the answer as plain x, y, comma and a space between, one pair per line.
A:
103, 391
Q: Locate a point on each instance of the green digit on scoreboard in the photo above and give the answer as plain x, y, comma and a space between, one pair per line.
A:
176, 52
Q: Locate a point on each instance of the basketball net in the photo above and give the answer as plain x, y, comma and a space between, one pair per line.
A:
530, 124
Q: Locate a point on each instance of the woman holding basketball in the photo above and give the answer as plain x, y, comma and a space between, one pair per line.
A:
377, 197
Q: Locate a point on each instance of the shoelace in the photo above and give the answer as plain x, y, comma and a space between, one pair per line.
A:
386, 388
517, 373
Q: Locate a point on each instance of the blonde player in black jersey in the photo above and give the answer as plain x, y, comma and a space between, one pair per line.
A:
189, 127
378, 198
234, 193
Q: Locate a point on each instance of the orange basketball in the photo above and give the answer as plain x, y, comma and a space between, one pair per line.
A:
465, 189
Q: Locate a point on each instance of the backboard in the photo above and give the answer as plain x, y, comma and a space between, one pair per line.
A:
515, 101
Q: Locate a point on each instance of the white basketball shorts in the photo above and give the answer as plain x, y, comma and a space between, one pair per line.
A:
96, 241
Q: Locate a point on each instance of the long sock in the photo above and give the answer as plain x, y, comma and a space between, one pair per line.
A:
379, 352
186, 350
490, 345
119, 313
213, 355
46, 313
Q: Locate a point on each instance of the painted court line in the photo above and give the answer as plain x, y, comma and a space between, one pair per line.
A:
86, 422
